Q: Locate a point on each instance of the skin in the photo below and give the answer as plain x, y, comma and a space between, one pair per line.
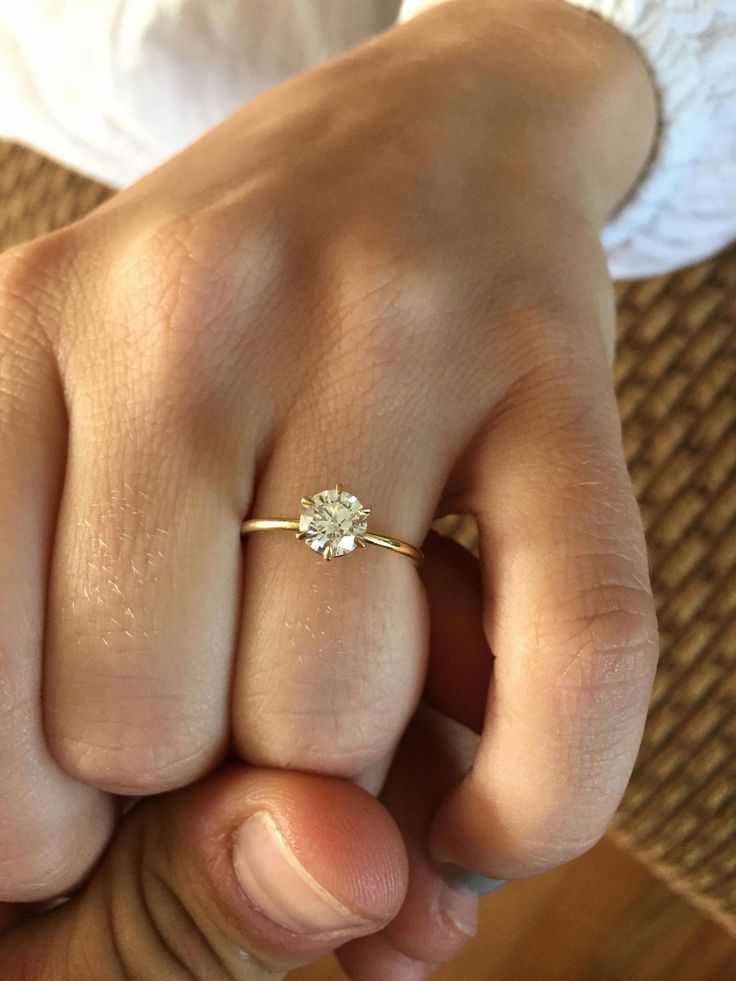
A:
385, 272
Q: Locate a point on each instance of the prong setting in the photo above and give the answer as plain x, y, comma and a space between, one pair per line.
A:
333, 522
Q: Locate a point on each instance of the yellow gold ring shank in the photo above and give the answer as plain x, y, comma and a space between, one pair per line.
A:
395, 544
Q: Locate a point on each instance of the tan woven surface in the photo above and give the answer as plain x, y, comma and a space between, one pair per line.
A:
37, 195
676, 377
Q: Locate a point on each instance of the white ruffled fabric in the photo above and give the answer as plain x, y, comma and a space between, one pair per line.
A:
685, 208
113, 87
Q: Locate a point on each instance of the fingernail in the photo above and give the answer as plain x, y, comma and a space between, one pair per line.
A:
461, 909
278, 885
468, 883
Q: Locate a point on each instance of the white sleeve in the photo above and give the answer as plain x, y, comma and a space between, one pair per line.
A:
112, 88
685, 207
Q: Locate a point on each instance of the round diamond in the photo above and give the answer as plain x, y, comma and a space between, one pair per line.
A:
333, 522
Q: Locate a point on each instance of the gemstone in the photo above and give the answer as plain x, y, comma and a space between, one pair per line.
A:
333, 522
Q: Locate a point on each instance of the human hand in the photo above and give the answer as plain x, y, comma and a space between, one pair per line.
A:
403, 292
245, 875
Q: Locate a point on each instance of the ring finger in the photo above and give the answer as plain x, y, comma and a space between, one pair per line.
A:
332, 654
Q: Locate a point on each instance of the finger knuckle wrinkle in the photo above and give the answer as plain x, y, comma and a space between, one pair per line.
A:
325, 741
339, 730
120, 761
609, 635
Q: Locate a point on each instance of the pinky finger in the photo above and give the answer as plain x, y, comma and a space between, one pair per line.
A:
435, 922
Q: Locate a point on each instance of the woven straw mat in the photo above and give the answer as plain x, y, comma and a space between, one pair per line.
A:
676, 378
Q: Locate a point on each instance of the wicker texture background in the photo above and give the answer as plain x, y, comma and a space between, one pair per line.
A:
676, 377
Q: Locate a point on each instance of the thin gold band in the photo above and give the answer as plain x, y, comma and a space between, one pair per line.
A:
395, 544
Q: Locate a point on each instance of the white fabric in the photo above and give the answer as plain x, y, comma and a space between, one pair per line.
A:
114, 87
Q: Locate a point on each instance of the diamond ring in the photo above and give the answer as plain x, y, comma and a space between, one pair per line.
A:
333, 523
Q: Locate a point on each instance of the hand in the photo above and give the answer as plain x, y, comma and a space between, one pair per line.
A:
384, 272
243, 876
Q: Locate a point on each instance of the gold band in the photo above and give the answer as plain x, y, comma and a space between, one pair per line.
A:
394, 544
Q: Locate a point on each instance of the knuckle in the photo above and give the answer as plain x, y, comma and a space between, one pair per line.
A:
398, 310
21, 269
564, 398
327, 742
535, 297
379, 333
594, 614
604, 636
337, 735
124, 758
159, 301
190, 276
540, 304
191, 290
324, 688
30, 274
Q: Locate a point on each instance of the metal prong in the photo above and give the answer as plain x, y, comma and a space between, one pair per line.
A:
365, 512
328, 553
362, 542
301, 535
307, 502
338, 489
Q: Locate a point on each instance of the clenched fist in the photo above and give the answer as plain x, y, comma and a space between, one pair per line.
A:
387, 273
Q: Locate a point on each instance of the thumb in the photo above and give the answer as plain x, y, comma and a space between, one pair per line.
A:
246, 874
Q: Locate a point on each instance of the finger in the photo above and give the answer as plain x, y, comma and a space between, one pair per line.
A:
460, 663
52, 829
435, 921
332, 654
247, 874
460, 667
146, 576
569, 616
